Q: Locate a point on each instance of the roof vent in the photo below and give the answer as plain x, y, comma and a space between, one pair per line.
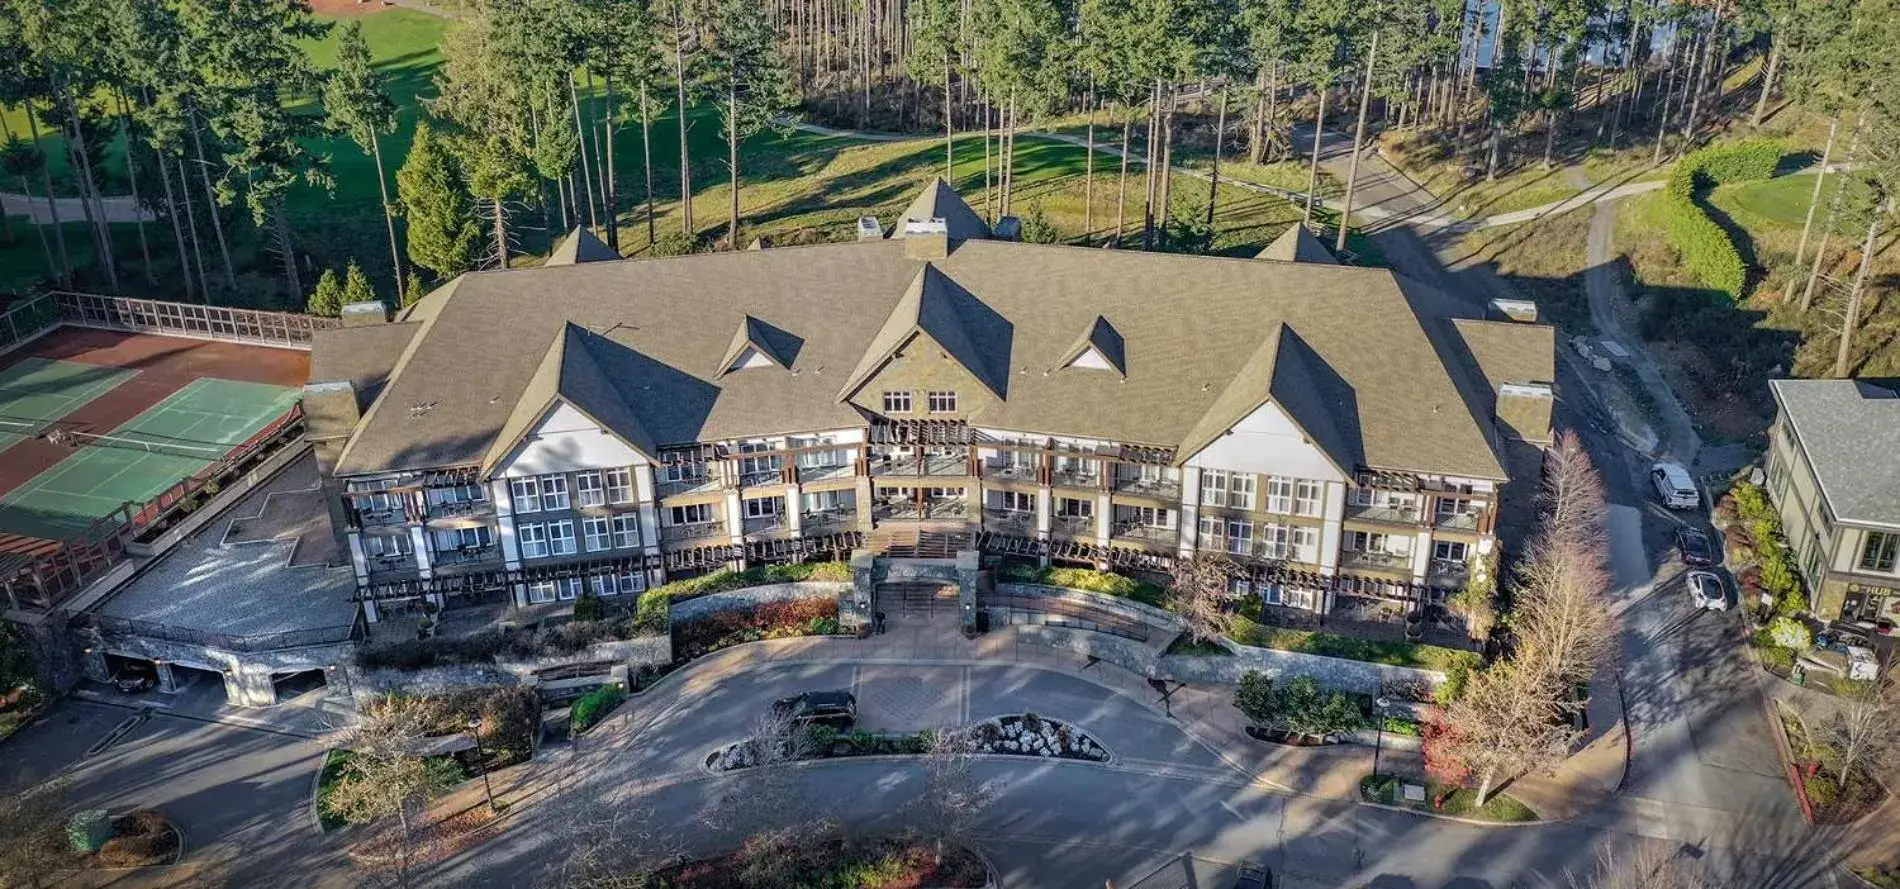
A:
365, 314
869, 229
1515, 309
1526, 390
932, 226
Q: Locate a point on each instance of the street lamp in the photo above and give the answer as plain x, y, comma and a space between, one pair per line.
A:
475, 731
1378, 739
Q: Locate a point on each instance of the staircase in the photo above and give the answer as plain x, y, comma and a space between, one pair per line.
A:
899, 542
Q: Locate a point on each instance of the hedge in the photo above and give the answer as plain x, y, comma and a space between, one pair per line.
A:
1104, 582
1372, 651
1706, 249
721, 581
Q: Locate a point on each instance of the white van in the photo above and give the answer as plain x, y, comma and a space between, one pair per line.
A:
1674, 486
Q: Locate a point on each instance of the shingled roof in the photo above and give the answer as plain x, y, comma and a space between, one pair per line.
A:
939, 201
570, 374
580, 246
1351, 354
1297, 244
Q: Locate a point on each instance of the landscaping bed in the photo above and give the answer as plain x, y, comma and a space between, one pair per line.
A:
337, 762
596, 705
1446, 799
595, 621
769, 620
1372, 651
1832, 801
1015, 735
834, 863
143, 838
1105, 582
722, 581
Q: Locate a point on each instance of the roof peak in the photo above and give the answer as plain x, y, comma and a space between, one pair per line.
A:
580, 245
938, 200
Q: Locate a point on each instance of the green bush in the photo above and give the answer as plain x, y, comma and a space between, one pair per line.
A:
1706, 249
1254, 698
721, 581
654, 613
1745, 161
1786, 632
587, 607
1399, 725
1455, 680
1822, 791
594, 706
1779, 661
1374, 651
1105, 582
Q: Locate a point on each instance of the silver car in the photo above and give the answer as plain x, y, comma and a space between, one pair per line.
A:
1707, 591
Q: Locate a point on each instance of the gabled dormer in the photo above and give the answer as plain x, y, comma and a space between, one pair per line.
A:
937, 338
758, 345
1100, 347
571, 411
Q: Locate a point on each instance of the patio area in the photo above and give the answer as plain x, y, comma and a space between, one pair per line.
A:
1373, 618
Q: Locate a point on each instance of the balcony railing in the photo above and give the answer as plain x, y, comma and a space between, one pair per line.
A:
1077, 477
754, 477
1010, 472
936, 464
393, 562
466, 555
822, 472
1375, 561
1385, 515
1458, 521
910, 509
453, 508
1164, 488
1449, 569
391, 515
1073, 525
1009, 519
1146, 533
688, 485
827, 521
694, 531
765, 524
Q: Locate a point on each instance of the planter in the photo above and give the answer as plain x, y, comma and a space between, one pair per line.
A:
1287, 739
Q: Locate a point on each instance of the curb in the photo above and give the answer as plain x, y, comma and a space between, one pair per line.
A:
1539, 822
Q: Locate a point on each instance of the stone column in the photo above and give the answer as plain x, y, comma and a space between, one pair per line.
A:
968, 563
167, 682
857, 607
249, 685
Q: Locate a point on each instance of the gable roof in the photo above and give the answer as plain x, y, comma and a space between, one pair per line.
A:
1101, 338
569, 374
929, 308
1850, 432
939, 201
1280, 373
1297, 244
773, 344
579, 246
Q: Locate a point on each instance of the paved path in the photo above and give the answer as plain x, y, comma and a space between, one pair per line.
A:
118, 208
1603, 285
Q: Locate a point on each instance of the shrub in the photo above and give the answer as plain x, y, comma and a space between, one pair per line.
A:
587, 608
1399, 725
1454, 686
721, 581
594, 706
1779, 661
769, 620
1706, 249
654, 613
1822, 791
1254, 698
1107, 583
1786, 632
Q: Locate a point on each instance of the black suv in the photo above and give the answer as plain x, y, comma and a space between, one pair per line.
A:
837, 708
1697, 551
1251, 877
136, 677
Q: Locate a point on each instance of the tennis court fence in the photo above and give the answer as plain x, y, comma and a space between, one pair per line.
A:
44, 582
28, 320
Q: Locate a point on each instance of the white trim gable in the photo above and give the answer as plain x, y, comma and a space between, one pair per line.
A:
1267, 441
748, 359
565, 440
1092, 359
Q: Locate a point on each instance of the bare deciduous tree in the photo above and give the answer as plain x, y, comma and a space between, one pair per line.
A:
385, 778
1506, 724
1573, 495
1562, 618
1199, 595
612, 845
1649, 867
33, 822
764, 803
1862, 734
953, 798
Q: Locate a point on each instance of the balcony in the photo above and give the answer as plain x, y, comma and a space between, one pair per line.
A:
389, 515
694, 531
934, 464
752, 478
1159, 488
912, 510
1448, 572
824, 471
1146, 534
396, 562
1458, 521
1073, 526
1374, 561
450, 509
1077, 477
828, 521
765, 525
1010, 472
466, 555
692, 485
1016, 521
1406, 516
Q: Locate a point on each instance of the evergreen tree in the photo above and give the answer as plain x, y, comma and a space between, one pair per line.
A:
486, 92
444, 236
934, 39
740, 71
358, 104
1022, 60
414, 290
356, 288
327, 299
631, 53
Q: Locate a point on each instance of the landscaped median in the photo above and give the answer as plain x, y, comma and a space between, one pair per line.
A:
1450, 800
1024, 734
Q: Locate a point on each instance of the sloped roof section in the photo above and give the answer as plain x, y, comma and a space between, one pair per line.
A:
939, 201
772, 344
1287, 372
934, 306
365, 356
570, 373
1297, 244
580, 246
1850, 432
1101, 344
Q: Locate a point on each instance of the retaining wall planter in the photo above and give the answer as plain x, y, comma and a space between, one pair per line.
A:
1116, 605
643, 651
750, 597
1331, 672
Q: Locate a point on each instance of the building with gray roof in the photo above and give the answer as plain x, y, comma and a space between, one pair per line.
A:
1834, 475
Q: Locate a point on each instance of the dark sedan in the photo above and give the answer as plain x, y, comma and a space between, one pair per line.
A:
1696, 550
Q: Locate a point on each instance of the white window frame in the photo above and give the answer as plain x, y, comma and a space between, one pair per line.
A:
561, 539
588, 490
1214, 487
378, 545
541, 592
1279, 494
482, 536
897, 401
682, 515
625, 583
533, 538
1239, 537
554, 492
1305, 544
1017, 501
1309, 497
526, 494
691, 469
1075, 507
619, 485
595, 534
770, 507
626, 531
1275, 541
1442, 549
941, 401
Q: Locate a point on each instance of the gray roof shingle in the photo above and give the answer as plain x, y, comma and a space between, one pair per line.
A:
1850, 431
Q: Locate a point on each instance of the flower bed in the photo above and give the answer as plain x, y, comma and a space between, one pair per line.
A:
143, 838
1032, 735
769, 620
1023, 735
833, 862
1446, 799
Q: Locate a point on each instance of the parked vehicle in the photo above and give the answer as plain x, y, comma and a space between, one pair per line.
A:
1707, 591
1695, 548
1251, 877
136, 677
835, 708
1674, 486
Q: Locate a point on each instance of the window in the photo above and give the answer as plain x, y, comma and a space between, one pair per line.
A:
1291, 597
540, 592
1449, 551
545, 591
1017, 501
1070, 506
1449, 507
752, 468
1307, 497
561, 538
554, 492
381, 546
764, 507
684, 468
463, 539
1877, 554
1279, 494
1233, 536
587, 489
534, 540
527, 495
629, 583
457, 494
897, 402
1213, 487
830, 501
1292, 542
1238, 587
381, 501
598, 537
1371, 542
620, 485
1148, 517
626, 531
694, 514
942, 402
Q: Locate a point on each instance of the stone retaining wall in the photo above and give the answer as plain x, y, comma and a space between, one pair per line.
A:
1117, 605
644, 651
752, 596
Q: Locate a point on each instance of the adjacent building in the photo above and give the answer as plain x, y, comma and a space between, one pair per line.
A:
1834, 475
530, 436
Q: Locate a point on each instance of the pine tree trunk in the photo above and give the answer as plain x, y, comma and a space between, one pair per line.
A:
1213, 178
1121, 184
686, 166
501, 231
211, 202
1851, 320
178, 228
89, 198
287, 251
949, 127
1312, 176
1273, 111
1164, 174
646, 158
1662, 118
1692, 92
52, 204
1009, 154
389, 218
988, 210
1148, 169
132, 177
732, 162
191, 228
610, 176
1088, 170
1257, 133
46, 247
1358, 140
1814, 200
580, 139
1767, 81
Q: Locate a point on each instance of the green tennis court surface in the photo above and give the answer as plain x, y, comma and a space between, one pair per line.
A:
169, 442
39, 390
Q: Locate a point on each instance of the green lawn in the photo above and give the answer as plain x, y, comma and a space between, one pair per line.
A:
1376, 651
1781, 202
1458, 801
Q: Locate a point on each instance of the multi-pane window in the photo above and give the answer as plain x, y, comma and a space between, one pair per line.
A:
457, 494
1149, 516
383, 545
942, 402
1239, 587
691, 514
626, 531
897, 402
627, 583
548, 590
620, 485
1018, 501
597, 536
768, 463
1213, 487
1292, 542
527, 494
554, 492
588, 490
561, 538
1279, 494
463, 539
1224, 534
1222, 488
684, 468
1292, 597
1307, 497
1374, 542
533, 539
1449, 551
1877, 553
1075, 508
830, 501
763, 507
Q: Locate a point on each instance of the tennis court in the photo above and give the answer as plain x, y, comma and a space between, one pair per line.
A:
168, 442
37, 391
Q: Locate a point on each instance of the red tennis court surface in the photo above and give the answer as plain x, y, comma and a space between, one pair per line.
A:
164, 366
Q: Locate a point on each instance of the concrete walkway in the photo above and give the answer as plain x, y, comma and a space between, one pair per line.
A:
117, 208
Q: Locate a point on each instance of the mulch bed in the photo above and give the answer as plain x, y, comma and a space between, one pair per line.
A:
871, 864
142, 839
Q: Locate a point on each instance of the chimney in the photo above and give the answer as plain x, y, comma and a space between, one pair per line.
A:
365, 314
926, 239
330, 414
1524, 410
1516, 309
869, 229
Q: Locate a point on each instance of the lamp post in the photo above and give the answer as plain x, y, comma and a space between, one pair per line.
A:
1378, 739
475, 732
